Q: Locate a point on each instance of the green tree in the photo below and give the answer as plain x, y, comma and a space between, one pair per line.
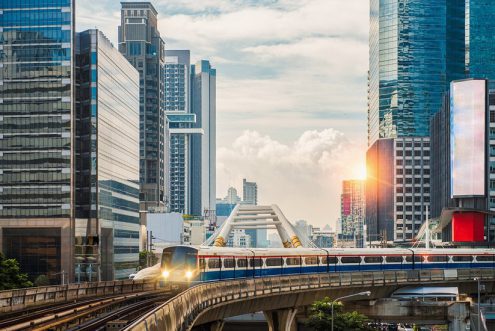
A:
143, 259
42, 280
320, 318
11, 276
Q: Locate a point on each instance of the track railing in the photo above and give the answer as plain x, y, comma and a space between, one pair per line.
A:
19, 299
180, 312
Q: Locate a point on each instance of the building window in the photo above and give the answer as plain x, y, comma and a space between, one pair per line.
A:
134, 48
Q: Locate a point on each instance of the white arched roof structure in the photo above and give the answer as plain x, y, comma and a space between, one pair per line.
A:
259, 217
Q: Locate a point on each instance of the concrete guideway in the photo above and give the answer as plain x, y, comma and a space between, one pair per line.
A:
32, 297
259, 217
279, 296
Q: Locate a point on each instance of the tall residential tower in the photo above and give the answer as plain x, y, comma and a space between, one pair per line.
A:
181, 121
140, 42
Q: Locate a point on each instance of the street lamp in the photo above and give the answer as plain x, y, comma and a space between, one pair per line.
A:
366, 293
479, 309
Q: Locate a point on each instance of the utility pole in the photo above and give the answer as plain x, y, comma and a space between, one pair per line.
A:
427, 233
149, 255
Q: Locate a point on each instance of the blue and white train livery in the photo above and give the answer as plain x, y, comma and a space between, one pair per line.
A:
187, 263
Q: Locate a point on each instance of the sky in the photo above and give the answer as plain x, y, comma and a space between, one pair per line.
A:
291, 91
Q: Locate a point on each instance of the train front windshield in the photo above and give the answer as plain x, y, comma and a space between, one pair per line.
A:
179, 263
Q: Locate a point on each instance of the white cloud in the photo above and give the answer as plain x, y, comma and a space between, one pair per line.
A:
303, 177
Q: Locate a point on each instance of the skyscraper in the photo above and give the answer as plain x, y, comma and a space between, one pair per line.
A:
250, 197
140, 42
107, 161
203, 147
480, 49
181, 122
68, 146
37, 133
352, 210
249, 192
416, 49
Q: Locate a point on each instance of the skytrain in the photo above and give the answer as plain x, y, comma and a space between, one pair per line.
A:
202, 264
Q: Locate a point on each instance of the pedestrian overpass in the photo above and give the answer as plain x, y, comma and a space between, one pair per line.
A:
279, 297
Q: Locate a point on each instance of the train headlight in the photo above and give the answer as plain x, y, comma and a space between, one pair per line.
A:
165, 273
189, 274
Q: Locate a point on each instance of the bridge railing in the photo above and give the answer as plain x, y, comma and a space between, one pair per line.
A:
180, 312
14, 300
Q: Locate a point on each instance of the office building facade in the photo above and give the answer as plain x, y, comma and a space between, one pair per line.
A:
107, 161
446, 206
203, 146
249, 192
380, 194
416, 49
59, 172
140, 42
37, 146
480, 50
352, 210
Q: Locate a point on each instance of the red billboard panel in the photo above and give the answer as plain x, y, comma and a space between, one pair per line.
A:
468, 227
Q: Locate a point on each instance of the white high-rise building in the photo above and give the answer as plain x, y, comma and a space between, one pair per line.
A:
203, 147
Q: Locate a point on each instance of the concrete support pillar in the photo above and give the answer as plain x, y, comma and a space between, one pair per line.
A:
217, 325
281, 320
458, 315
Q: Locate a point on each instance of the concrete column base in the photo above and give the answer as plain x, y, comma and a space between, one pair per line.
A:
281, 320
458, 316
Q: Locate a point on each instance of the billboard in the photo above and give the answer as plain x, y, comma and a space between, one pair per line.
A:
467, 138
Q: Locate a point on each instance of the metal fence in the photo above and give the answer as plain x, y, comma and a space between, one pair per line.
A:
14, 300
180, 312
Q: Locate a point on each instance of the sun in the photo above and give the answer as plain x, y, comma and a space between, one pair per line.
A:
359, 171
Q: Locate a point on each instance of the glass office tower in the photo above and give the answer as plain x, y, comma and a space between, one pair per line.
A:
107, 167
36, 134
480, 48
141, 44
416, 49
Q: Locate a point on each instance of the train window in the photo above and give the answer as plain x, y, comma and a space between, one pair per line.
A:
293, 261
255, 263
393, 259
463, 258
350, 259
373, 259
438, 258
213, 263
311, 260
273, 262
202, 263
242, 263
485, 258
228, 263
417, 258
329, 260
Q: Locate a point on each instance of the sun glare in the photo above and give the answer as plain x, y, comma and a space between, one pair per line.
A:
360, 172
